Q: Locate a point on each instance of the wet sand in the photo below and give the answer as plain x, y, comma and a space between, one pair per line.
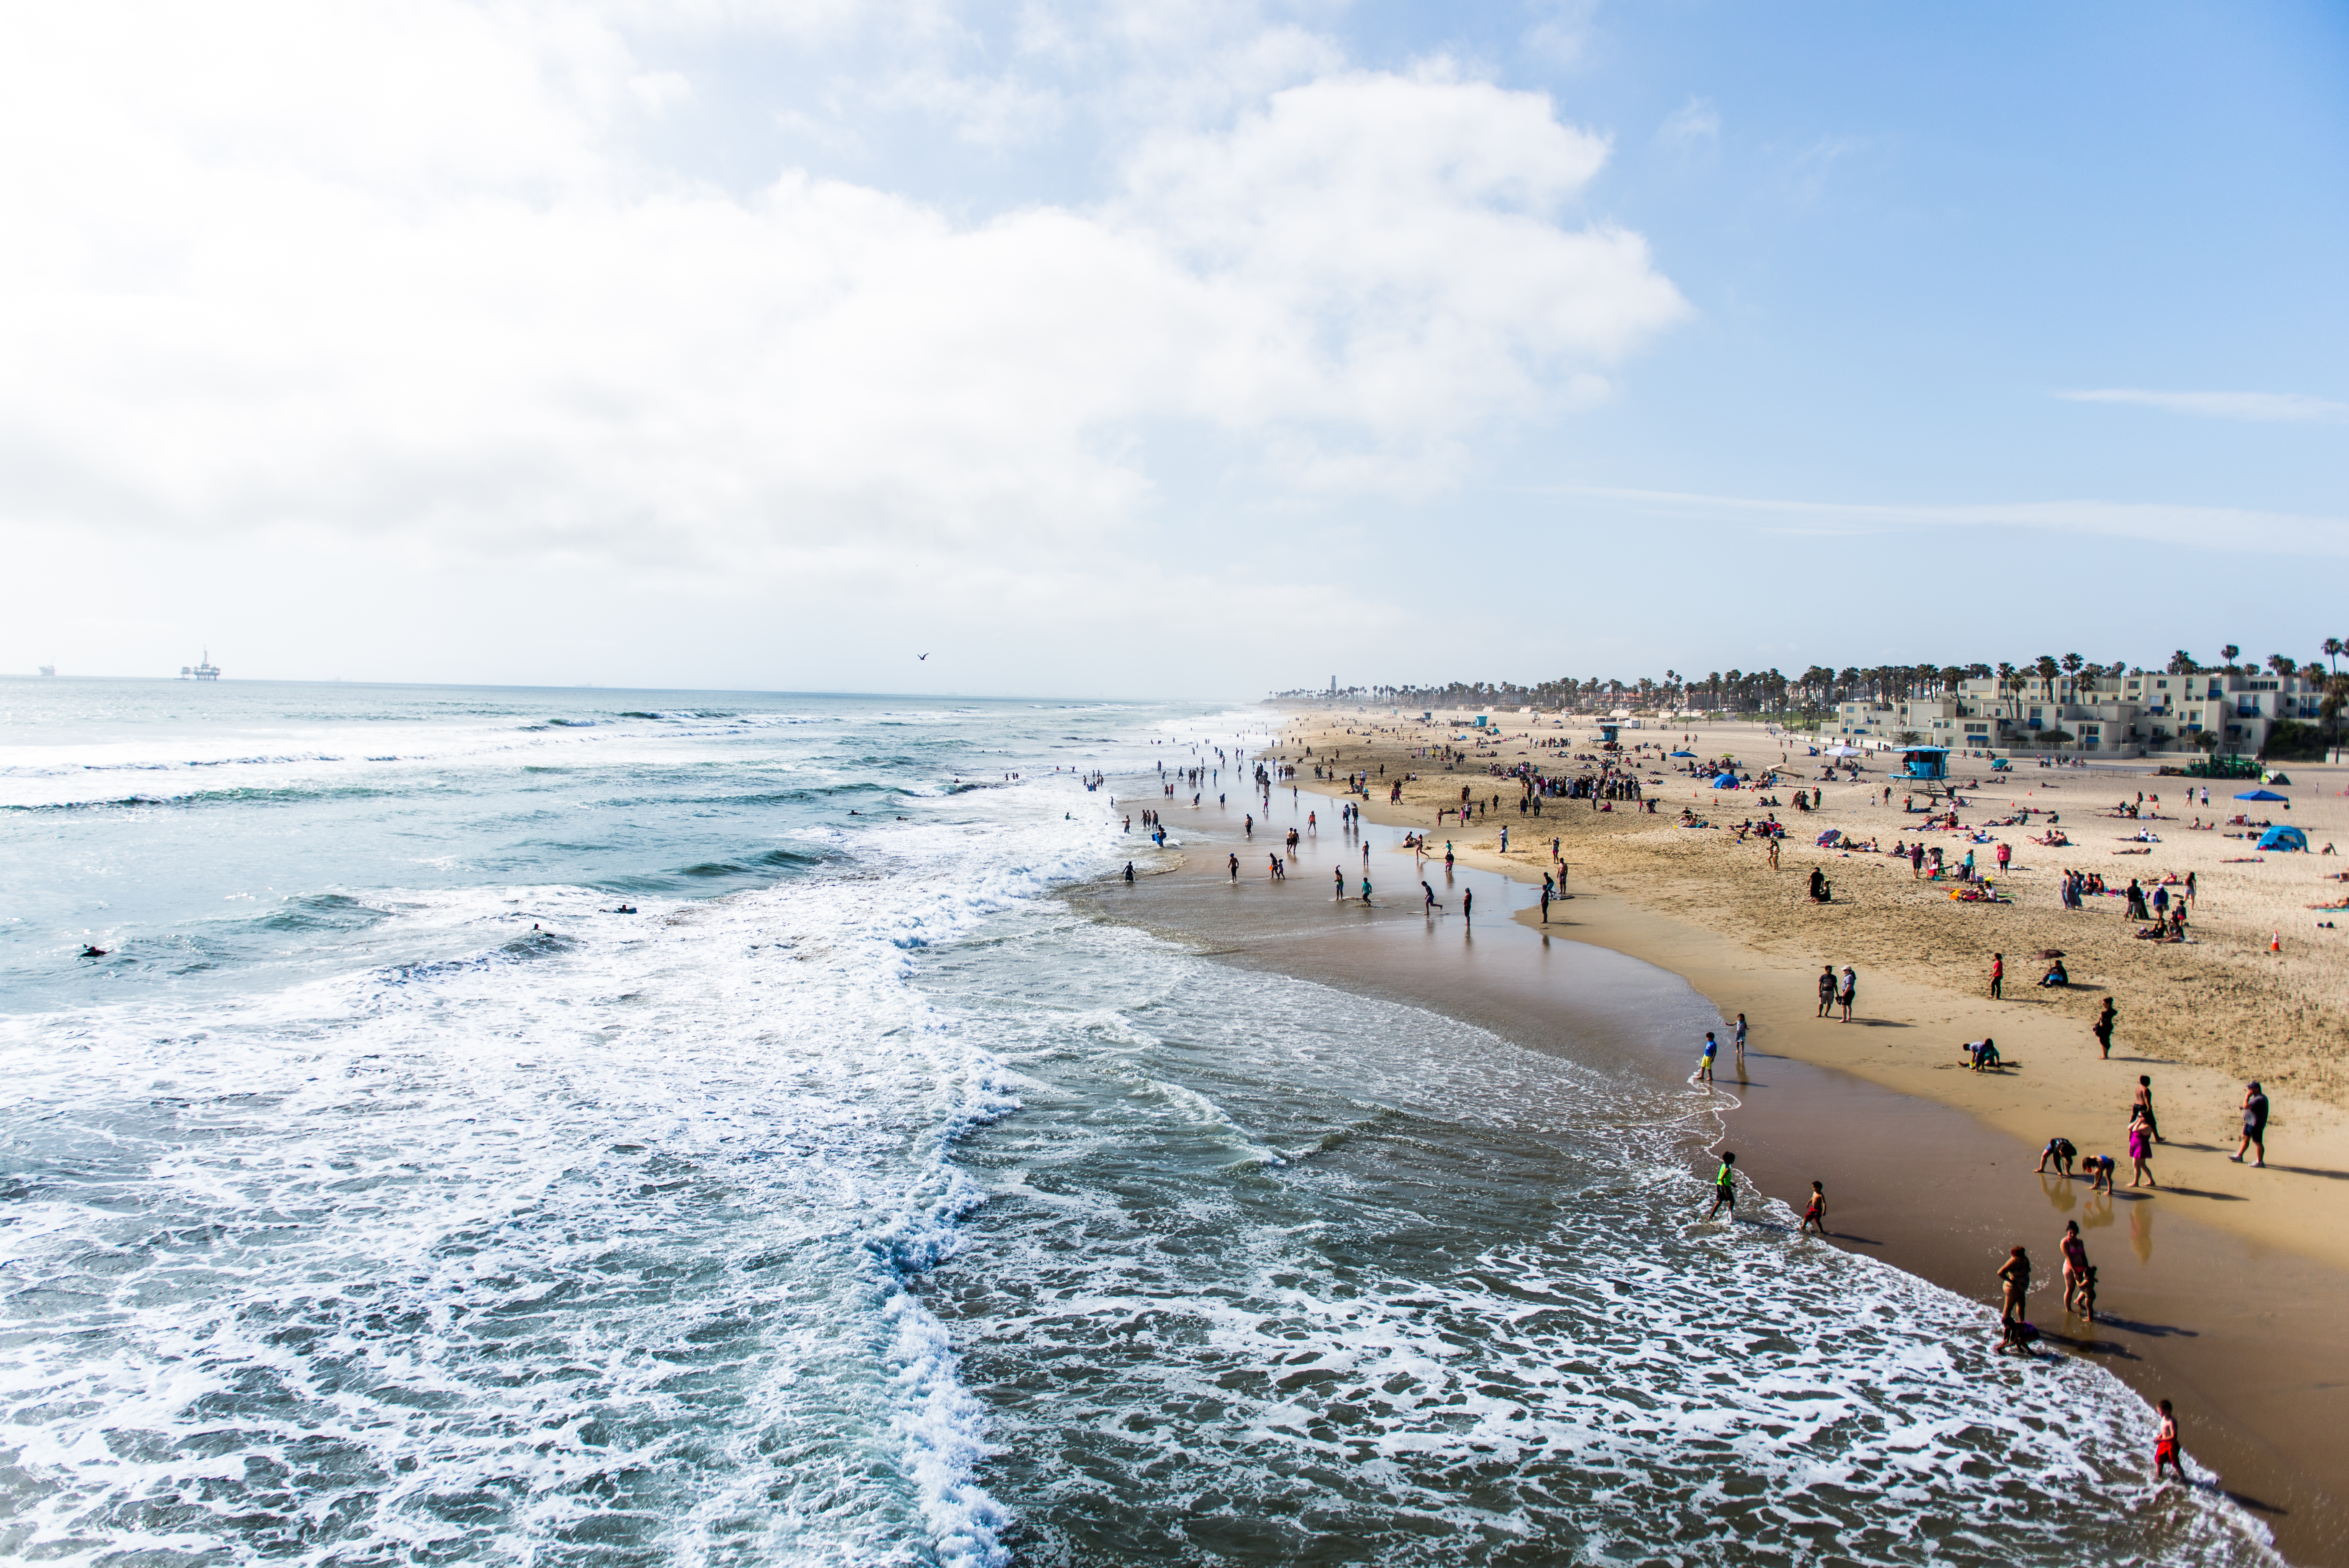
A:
2248, 1339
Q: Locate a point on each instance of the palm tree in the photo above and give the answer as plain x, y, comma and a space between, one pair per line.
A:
2283, 665
2181, 663
2228, 653
2046, 668
2334, 648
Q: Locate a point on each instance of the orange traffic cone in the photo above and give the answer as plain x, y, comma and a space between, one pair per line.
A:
2275, 941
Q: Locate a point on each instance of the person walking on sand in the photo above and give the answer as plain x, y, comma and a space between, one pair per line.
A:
2075, 1254
2140, 1153
2164, 1438
1997, 974
1814, 1218
1431, 905
1704, 1062
2014, 1279
1848, 994
2255, 1127
1468, 905
2103, 1028
2143, 1106
1544, 919
1827, 988
1724, 1187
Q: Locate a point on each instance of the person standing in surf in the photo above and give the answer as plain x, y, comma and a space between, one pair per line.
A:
2165, 1445
1725, 1187
1704, 1063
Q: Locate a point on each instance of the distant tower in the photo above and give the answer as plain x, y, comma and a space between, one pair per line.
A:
1333, 686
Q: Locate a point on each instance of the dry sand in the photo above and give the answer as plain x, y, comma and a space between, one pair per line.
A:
2200, 1018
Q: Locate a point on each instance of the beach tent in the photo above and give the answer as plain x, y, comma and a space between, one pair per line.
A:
2264, 795
2281, 837
2273, 778
1726, 781
1843, 751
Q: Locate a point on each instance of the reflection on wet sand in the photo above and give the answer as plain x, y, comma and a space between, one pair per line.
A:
2141, 1231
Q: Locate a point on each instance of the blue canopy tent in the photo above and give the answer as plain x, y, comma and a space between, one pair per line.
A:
2281, 837
1925, 762
1726, 781
2264, 795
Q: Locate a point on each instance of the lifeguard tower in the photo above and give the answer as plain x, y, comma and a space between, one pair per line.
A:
1608, 731
1928, 764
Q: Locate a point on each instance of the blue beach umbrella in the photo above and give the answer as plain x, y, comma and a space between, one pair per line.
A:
1684, 754
2262, 795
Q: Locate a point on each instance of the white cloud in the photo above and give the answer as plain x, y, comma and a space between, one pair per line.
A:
1693, 127
2233, 529
404, 273
2263, 406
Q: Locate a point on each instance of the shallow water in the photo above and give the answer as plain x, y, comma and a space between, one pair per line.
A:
383, 1198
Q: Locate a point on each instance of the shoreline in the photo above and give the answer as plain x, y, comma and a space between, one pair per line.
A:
2257, 1381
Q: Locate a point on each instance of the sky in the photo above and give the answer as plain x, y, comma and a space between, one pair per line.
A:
1164, 349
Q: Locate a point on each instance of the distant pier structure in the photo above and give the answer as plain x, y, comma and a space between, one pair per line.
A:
207, 671
48, 670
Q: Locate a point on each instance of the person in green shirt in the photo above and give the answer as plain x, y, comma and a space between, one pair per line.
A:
1724, 1187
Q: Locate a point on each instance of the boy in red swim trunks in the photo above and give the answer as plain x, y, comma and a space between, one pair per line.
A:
2165, 1444
1814, 1218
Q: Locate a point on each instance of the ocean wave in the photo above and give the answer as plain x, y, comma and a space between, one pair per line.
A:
602, 1237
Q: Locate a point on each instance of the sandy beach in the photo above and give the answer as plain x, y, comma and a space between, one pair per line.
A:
2223, 1288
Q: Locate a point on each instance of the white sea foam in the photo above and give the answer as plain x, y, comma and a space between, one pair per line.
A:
1471, 1309
598, 1232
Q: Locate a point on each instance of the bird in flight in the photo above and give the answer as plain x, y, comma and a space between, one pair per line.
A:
921, 656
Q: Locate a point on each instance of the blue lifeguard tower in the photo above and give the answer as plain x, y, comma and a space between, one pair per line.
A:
1608, 731
1925, 764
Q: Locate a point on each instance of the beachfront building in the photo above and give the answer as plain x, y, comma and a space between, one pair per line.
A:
2232, 711
2240, 706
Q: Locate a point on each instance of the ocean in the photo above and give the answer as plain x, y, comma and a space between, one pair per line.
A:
586, 1127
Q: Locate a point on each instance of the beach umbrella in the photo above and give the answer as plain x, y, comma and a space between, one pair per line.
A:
2051, 953
1684, 754
2262, 795
1843, 751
